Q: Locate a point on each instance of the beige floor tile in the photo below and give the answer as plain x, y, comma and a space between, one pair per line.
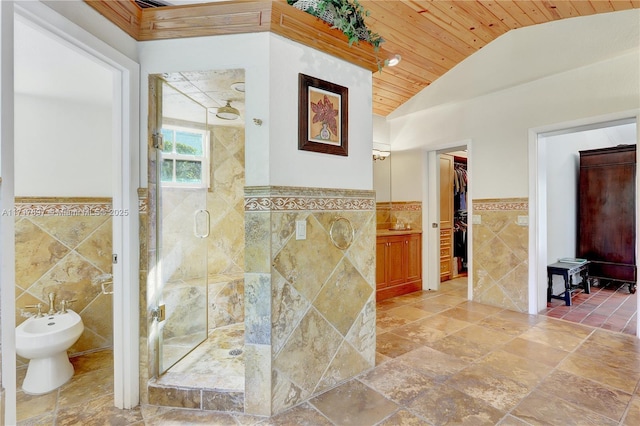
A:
392, 345
354, 403
612, 372
502, 325
510, 420
587, 394
433, 363
562, 326
404, 418
542, 409
28, 406
464, 314
102, 408
525, 371
444, 405
86, 387
536, 351
447, 324
302, 415
387, 320
633, 413
191, 417
483, 336
397, 382
555, 339
408, 312
419, 332
480, 383
431, 305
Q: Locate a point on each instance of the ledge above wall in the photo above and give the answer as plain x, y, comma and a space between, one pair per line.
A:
234, 17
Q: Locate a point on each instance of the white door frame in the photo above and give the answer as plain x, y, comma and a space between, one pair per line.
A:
537, 289
431, 197
126, 180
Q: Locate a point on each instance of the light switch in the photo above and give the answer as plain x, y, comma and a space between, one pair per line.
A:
301, 229
523, 220
476, 219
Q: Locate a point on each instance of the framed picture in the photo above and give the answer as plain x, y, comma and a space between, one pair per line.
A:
322, 116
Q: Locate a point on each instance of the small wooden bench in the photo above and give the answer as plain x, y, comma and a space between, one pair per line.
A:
568, 270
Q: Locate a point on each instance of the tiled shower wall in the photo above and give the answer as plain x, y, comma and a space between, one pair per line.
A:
64, 246
500, 253
310, 303
222, 250
225, 244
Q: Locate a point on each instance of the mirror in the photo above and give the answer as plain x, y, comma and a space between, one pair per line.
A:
382, 186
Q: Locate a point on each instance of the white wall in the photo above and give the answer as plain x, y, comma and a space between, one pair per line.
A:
292, 167
93, 22
498, 122
272, 64
62, 149
406, 175
382, 179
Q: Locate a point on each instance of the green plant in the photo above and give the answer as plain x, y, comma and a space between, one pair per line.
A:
348, 17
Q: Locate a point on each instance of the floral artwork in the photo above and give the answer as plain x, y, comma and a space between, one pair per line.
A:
322, 116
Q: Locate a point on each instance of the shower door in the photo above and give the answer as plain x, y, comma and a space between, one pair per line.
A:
182, 222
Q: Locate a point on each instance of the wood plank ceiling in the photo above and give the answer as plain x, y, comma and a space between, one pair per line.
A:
432, 36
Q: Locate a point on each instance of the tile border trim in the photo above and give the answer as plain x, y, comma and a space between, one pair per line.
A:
278, 198
65, 206
501, 204
406, 206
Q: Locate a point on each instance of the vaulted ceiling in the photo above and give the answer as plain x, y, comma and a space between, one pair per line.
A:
432, 36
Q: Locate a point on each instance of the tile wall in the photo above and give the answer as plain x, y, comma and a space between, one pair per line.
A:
64, 246
500, 253
310, 303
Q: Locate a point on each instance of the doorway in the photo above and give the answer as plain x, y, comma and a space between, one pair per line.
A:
450, 244
555, 230
120, 127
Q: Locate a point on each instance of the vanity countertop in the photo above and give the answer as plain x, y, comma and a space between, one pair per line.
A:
387, 232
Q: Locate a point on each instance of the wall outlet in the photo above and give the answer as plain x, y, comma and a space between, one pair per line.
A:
301, 229
523, 220
476, 219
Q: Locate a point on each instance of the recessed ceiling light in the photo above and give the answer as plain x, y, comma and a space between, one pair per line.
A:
238, 87
395, 60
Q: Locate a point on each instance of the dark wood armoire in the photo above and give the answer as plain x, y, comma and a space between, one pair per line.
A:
606, 213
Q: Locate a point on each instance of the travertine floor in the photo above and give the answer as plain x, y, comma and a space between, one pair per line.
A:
442, 360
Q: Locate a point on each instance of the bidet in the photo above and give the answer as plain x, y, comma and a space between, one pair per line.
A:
44, 341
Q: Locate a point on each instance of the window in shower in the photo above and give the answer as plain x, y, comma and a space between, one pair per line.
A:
184, 157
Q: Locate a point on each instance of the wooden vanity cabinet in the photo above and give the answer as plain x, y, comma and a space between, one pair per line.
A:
398, 264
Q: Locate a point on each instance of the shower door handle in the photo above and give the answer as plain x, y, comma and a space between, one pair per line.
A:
198, 214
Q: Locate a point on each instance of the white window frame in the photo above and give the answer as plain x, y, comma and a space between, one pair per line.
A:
204, 158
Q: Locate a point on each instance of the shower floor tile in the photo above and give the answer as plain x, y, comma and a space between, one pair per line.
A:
214, 364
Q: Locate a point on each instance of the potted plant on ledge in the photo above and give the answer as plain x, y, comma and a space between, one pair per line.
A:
345, 15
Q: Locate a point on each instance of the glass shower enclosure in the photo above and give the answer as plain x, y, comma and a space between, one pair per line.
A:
182, 221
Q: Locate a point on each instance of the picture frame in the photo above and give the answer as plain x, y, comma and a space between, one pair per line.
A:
322, 116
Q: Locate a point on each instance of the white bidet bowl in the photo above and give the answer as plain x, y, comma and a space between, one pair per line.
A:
44, 341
